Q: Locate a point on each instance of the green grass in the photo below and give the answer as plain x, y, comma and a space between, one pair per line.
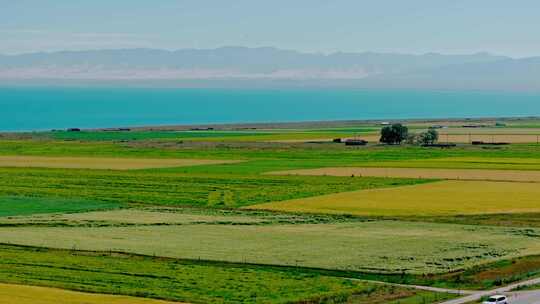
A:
350, 129
489, 276
420, 253
527, 288
393, 295
144, 216
423, 297
147, 135
375, 246
181, 280
532, 125
281, 156
483, 276
480, 277
20, 205
250, 135
162, 188
262, 158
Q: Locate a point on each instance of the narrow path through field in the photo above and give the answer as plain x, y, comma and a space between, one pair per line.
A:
426, 288
441, 290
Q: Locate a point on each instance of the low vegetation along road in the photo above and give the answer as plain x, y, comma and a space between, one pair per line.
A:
519, 297
525, 297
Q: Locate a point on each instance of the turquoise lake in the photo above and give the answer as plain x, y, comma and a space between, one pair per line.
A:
24, 109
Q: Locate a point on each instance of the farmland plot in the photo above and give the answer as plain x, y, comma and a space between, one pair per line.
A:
20, 205
21, 294
175, 280
439, 198
149, 216
101, 163
163, 188
495, 163
379, 246
457, 174
490, 138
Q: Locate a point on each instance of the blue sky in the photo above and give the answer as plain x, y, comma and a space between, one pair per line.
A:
412, 26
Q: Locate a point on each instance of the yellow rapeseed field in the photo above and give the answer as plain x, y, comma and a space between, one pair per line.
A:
21, 294
102, 163
439, 198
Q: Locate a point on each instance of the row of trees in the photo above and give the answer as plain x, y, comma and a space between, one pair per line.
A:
397, 133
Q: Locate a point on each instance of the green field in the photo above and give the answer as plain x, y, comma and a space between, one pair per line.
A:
146, 135
20, 205
159, 216
321, 153
180, 280
526, 288
484, 275
375, 246
249, 135
90, 225
163, 187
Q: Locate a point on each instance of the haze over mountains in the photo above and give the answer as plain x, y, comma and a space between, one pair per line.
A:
240, 66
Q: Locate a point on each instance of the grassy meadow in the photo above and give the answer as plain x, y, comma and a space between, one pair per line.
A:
21, 205
275, 214
375, 246
172, 188
182, 280
293, 135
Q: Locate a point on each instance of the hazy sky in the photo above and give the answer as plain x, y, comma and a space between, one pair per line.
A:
407, 26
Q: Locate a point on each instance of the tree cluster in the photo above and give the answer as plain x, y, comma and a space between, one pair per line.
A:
425, 138
394, 134
430, 137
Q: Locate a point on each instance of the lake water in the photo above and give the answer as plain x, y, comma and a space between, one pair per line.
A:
23, 109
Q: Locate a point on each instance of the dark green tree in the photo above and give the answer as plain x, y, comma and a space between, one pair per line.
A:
429, 138
394, 134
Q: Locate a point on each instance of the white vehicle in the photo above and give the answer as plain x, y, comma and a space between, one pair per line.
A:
497, 299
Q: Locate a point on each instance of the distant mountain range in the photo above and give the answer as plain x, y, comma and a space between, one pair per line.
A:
270, 66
